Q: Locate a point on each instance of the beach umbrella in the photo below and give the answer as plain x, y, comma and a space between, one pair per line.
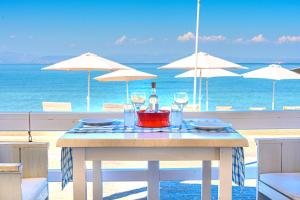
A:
126, 76
207, 73
203, 61
87, 62
272, 72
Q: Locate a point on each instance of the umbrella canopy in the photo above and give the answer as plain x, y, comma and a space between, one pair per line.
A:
204, 61
87, 62
201, 60
272, 72
207, 73
126, 76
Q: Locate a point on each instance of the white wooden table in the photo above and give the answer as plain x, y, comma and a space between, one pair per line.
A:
152, 147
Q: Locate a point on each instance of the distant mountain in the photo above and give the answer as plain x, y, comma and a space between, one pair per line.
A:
23, 58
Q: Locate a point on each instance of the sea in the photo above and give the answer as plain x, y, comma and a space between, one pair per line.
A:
23, 88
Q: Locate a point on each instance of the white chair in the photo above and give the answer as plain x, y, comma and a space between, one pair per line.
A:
278, 168
57, 107
23, 171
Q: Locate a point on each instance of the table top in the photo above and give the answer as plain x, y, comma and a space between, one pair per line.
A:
152, 140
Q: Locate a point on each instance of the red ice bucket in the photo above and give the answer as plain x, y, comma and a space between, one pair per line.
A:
153, 120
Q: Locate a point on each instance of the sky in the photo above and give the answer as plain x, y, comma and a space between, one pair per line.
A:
149, 31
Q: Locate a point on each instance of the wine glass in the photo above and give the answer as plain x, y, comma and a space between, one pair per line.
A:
138, 99
181, 99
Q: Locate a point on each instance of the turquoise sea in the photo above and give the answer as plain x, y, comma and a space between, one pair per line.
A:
25, 87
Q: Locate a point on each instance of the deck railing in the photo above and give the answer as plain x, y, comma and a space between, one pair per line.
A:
57, 121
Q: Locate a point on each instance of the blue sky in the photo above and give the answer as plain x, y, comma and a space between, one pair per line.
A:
150, 31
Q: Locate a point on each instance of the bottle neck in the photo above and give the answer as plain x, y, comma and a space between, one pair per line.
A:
154, 91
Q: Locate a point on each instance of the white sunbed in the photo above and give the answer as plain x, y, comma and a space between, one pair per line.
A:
23, 171
57, 107
278, 168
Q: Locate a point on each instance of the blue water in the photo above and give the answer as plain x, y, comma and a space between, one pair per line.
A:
25, 87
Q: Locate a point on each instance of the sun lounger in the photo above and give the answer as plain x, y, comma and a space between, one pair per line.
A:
23, 171
190, 108
257, 108
57, 107
291, 107
278, 168
113, 107
223, 108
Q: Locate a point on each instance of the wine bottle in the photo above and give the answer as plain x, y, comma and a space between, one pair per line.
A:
153, 99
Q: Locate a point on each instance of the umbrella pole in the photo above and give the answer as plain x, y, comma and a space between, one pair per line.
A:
200, 89
196, 52
88, 94
206, 94
127, 92
273, 97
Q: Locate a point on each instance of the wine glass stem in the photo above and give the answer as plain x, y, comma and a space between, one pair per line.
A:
137, 109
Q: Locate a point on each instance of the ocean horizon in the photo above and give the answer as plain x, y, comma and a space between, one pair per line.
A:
23, 87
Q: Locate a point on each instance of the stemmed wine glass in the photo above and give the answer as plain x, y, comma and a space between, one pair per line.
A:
181, 99
138, 99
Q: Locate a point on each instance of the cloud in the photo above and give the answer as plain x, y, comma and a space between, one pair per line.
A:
288, 39
210, 38
213, 38
121, 40
258, 38
124, 39
186, 37
72, 45
239, 40
140, 41
12, 36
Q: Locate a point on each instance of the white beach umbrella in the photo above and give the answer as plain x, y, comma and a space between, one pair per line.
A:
272, 72
203, 61
87, 62
126, 76
207, 73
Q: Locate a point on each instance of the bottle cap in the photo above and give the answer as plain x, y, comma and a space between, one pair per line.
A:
153, 84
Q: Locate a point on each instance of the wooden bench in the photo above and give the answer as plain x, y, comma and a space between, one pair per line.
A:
278, 168
23, 171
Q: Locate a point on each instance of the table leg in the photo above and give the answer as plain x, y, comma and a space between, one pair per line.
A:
153, 180
79, 174
97, 181
225, 174
206, 180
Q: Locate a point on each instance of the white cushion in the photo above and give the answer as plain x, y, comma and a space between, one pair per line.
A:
285, 183
34, 188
